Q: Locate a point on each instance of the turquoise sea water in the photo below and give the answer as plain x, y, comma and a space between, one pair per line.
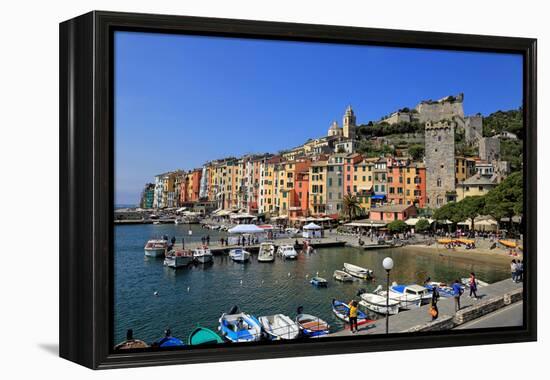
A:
200, 294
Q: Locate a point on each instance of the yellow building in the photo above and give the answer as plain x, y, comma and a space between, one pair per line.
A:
268, 181
363, 182
476, 185
317, 187
464, 168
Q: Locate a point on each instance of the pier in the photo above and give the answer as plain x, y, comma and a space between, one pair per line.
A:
492, 297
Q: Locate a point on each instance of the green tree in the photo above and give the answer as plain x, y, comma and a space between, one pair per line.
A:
351, 206
450, 211
472, 207
506, 200
397, 226
422, 225
416, 151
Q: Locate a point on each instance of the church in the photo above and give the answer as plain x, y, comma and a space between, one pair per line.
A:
348, 126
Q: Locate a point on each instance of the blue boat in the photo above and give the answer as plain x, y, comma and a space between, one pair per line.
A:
444, 290
311, 326
168, 341
341, 310
413, 290
240, 327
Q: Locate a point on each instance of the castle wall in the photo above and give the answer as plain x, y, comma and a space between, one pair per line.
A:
489, 148
438, 111
473, 127
440, 162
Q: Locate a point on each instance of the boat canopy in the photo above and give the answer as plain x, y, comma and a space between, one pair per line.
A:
413, 221
246, 229
312, 226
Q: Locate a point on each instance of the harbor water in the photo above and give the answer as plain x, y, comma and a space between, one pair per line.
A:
199, 294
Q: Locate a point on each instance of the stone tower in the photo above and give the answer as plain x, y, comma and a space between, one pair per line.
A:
440, 163
349, 123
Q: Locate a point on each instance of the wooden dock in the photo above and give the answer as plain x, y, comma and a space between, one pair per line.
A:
419, 319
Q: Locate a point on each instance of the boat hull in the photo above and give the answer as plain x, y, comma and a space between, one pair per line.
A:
250, 331
279, 327
341, 310
378, 304
155, 252
178, 261
311, 326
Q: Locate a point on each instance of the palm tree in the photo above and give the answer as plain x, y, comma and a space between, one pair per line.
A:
352, 206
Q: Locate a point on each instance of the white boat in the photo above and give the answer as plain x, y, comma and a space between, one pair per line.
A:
202, 255
406, 301
480, 284
292, 231
279, 327
239, 255
240, 327
287, 252
178, 259
377, 303
266, 253
156, 248
178, 221
340, 275
414, 290
357, 271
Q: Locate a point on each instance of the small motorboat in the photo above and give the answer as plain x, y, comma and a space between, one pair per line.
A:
131, 343
342, 276
178, 259
239, 255
266, 253
406, 301
156, 248
414, 290
202, 335
319, 282
359, 272
377, 303
240, 327
279, 327
202, 255
168, 341
444, 289
341, 310
311, 326
287, 252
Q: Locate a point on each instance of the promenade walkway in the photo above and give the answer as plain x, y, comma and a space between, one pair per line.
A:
411, 319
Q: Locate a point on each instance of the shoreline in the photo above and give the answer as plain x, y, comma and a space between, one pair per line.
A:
485, 255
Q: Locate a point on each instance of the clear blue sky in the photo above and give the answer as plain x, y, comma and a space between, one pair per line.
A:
183, 100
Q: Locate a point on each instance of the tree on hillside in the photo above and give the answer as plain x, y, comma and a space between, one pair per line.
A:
397, 226
351, 206
506, 200
416, 151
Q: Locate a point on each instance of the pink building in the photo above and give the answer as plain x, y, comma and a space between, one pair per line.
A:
389, 213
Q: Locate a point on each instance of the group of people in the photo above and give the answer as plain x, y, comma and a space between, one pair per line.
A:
458, 290
516, 267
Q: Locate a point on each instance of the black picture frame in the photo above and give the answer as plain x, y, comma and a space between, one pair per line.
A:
86, 185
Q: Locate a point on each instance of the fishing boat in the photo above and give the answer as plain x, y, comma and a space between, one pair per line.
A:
202, 335
340, 275
178, 259
279, 327
131, 343
406, 301
414, 290
202, 255
357, 271
319, 282
444, 289
240, 327
377, 303
266, 253
156, 248
311, 326
169, 341
341, 310
239, 255
466, 282
287, 252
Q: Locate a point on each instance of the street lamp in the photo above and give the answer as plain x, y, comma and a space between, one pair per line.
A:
387, 263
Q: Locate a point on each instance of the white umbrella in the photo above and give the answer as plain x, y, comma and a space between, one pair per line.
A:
245, 229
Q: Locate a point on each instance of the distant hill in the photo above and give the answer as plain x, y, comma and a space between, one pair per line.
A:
500, 121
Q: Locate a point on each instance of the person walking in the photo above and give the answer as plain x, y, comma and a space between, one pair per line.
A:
182, 243
353, 316
207, 239
473, 285
519, 275
434, 311
457, 293
514, 269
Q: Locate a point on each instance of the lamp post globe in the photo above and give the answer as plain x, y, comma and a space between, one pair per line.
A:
387, 263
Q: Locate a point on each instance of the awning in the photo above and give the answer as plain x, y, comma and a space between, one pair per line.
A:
413, 221
367, 223
312, 226
378, 196
245, 229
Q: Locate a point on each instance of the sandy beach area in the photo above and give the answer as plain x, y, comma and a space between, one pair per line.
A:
497, 255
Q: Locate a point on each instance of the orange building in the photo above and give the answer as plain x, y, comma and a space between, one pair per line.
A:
300, 197
406, 183
350, 166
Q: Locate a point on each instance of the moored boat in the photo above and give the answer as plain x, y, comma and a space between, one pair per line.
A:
202, 255
240, 327
239, 255
168, 341
357, 271
312, 326
319, 282
178, 259
287, 252
444, 289
267, 252
341, 310
343, 276
377, 303
406, 301
414, 290
202, 335
156, 248
279, 327
131, 343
